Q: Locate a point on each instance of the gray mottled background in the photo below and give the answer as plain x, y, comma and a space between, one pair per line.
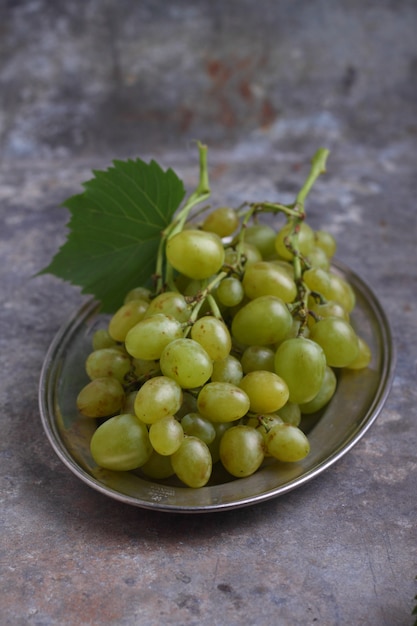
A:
265, 84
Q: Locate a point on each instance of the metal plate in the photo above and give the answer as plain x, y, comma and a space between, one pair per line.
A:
359, 399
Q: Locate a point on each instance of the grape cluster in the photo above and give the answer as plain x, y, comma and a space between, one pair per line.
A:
220, 360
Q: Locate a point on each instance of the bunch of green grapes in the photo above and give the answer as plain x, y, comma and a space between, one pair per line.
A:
221, 361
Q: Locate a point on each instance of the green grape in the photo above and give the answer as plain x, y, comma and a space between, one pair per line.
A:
188, 405
302, 364
317, 279
144, 368
108, 362
223, 221
214, 446
195, 253
158, 397
263, 424
129, 403
363, 358
157, 467
285, 266
324, 396
326, 309
340, 291
185, 361
290, 413
102, 339
262, 236
169, 303
149, 337
192, 462
267, 392
101, 397
242, 450
258, 358
251, 253
326, 242
195, 425
121, 443
138, 293
268, 279
230, 291
287, 443
222, 402
166, 435
305, 240
263, 321
338, 340
317, 258
228, 370
213, 335
126, 317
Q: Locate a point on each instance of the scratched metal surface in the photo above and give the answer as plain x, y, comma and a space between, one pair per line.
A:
264, 84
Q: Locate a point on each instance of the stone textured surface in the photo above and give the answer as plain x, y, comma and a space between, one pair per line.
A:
264, 84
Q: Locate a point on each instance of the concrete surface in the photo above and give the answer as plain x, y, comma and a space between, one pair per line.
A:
264, 84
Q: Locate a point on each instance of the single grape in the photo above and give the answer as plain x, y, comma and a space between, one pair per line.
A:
128, 405
102, 339
158, 397
262, 236
326, 242
121, 443
290, 413
340, 291
228, 370
268, 279
267, 392
324, 395
263, 424
108, 362
305, 240
188, 405
318, 258
317, 279
326, 309
222, 402
126, 317
213, 335
287, 443
157, 467
261, 322
338, 340
144, 368
101, 397
166, 435
185, 361
149, 337
302, 364
195, 253
258, 358
363, 358
214, 446
242, 450
230, 291
138, 293
251, 253
195, 425
223, 221
169, 303
192, 462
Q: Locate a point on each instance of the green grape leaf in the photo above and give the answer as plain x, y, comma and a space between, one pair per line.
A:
115, 229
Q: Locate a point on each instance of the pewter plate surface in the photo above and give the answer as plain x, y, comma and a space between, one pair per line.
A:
357, 403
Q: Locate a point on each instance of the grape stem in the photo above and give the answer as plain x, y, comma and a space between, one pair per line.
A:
201, 193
